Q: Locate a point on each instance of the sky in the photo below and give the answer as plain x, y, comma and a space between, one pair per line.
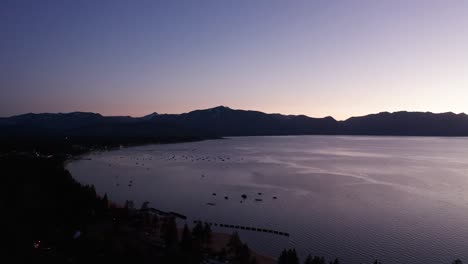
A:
318, 58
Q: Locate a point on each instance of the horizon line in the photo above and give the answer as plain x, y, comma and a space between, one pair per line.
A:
227, 107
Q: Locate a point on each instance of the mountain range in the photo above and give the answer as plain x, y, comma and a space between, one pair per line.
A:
224, 121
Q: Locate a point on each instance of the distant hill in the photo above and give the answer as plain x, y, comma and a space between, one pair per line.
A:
224, 121
407, 124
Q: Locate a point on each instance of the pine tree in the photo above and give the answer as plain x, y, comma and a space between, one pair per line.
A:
186, 240
197, 243
105, 202
207, 234
197, 233
294, 259
171, 240
234, 243
290, 257
283, 258
145, 205
170, 234
244, 254
318, 260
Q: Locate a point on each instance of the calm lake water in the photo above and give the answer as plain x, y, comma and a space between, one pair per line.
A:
398, 199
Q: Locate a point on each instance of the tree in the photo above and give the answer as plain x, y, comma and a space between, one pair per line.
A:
290, 257
93, 191
207, 234
308, 259
186, 240
234, 243
377, 262
144, 206
197, 231
244, 254
293, 259
171, 240
197, 243
104, 202
170, 234
283, 258
315, 260
457, 261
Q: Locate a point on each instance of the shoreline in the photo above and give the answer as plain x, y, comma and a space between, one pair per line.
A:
219, 240
110, 147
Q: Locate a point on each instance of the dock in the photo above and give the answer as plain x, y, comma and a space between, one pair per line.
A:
248, 228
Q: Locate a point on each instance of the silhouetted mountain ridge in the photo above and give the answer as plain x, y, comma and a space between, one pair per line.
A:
408, 124
224, 121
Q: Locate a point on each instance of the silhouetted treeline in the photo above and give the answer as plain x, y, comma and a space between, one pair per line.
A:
50, 217
47, 211
192, 246
239, 251
290, 257
76, 145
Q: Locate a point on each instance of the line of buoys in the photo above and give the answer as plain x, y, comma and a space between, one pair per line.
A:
246, 228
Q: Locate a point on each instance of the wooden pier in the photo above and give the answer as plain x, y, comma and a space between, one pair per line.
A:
254, 229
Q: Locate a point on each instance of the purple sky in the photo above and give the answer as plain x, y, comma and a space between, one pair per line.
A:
319, 58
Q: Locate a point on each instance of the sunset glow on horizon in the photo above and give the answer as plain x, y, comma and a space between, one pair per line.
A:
318, 58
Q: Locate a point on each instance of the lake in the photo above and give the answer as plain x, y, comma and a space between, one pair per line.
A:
398, 199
